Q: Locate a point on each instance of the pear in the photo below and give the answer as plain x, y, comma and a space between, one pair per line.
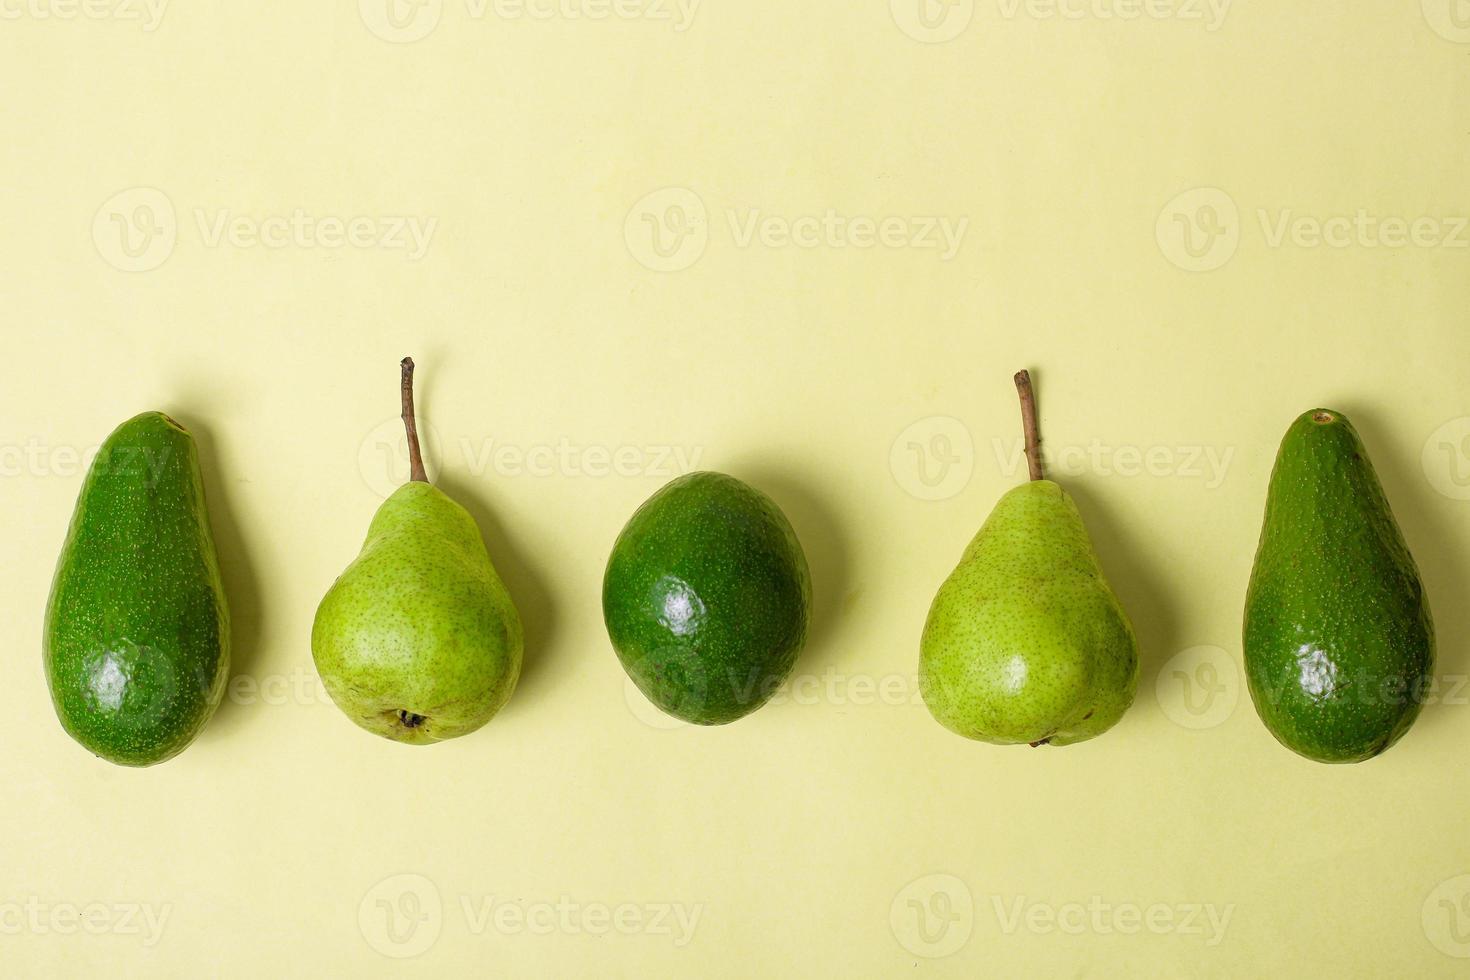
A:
1025, 643
418, 640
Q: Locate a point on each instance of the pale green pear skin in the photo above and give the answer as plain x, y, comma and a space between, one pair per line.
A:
419, 625
1025, 643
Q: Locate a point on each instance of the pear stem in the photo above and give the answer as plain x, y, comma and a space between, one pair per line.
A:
1028, 423
410, 425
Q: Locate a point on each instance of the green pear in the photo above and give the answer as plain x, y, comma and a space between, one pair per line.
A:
1025, 643
418, 640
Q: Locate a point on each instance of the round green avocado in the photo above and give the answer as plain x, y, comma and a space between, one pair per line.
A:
707, 598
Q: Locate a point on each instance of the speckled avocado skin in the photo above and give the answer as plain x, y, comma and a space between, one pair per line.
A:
707, 598
1025, 643
137, 631
419, 625
1339, 641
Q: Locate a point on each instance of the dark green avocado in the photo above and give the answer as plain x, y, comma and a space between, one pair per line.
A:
1339, 643
707, 598
137, 630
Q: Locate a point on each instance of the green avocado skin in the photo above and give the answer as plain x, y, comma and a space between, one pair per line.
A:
136, 641
707, 598
1339, 642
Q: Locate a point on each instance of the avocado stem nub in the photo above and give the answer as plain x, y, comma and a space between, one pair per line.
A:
1028, 423
410, 425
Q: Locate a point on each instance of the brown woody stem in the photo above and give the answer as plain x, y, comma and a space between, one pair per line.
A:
1028, 423
410, 425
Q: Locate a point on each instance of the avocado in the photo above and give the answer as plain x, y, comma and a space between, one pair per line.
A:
137, 629
707, 598
1339, 642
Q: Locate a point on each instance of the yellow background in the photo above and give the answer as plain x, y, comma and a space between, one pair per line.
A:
849, 382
